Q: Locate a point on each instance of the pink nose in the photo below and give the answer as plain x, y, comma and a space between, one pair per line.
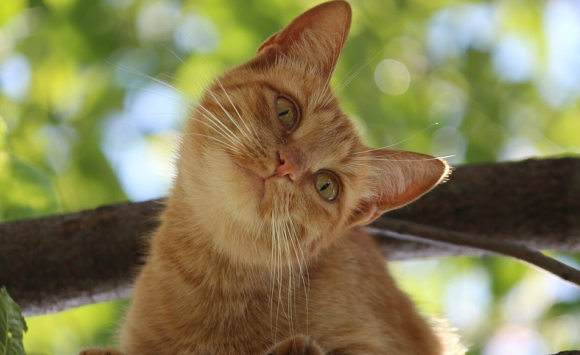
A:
286, 167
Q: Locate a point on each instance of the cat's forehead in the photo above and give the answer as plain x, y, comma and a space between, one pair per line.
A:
311, 93
304, 85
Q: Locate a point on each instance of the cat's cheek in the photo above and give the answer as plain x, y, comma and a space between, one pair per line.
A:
250, 182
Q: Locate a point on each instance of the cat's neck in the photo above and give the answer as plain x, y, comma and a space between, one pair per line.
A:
190, 250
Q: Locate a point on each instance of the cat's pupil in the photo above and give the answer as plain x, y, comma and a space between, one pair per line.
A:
283, 113
325, 186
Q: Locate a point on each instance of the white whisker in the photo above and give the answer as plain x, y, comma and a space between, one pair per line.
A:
399, 142
211, 93
302, 268
163, 95
224, 144
290, 296
272, 281
220, 132
238, 113
345, 82
409, 160
161, 114
137, 72
228, 114
280, 275
211, 117
174, 78
357, 72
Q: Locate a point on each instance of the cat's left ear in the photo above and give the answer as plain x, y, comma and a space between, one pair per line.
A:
315, 38
396, 178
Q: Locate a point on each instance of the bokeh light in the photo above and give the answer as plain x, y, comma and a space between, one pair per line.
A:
392, 77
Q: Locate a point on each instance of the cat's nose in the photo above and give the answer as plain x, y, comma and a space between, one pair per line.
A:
289, 165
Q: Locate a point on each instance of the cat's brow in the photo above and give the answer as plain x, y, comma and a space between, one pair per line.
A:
243, 85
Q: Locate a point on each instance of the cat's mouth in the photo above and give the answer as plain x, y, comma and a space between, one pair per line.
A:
267, 181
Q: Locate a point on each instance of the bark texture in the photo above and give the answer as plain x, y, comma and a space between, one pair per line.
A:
57, 262
534, 202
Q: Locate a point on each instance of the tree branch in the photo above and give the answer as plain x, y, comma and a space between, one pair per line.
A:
64, 261
533, 202
435, 236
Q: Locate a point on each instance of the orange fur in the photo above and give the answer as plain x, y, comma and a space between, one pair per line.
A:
248, 261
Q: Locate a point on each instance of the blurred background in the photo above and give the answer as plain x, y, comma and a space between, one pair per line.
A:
93, 94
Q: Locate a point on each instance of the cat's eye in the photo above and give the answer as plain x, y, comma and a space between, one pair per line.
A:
326, 184
287, 112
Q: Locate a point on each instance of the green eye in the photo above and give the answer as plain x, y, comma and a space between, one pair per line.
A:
326, 185
287, 112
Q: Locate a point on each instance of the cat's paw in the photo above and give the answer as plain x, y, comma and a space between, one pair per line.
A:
297, 346
101, 351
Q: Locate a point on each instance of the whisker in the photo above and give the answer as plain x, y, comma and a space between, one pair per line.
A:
160, 114
285, 245
345, 82
357, 72
387, 159
399, 142
272, 281
301, 262
174, 78
224, 144
137, 72
389, 153
220, 132
249, 129
206, 80
211, 93
160, 94
228, 114
211, 117
220, 122
231, 134
280, 275
290, 295
181, 112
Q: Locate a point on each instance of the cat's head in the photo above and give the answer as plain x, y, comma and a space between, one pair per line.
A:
269, 164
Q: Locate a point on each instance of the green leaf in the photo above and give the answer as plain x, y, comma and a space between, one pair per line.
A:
12, 326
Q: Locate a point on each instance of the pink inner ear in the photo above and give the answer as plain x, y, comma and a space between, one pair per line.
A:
397, 178
413, 191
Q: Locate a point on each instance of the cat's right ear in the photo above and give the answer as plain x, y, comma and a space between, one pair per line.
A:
395, 179
314, 39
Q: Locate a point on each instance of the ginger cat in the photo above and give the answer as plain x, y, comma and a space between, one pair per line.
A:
261, 250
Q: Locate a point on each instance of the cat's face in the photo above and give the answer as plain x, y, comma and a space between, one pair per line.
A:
270, 164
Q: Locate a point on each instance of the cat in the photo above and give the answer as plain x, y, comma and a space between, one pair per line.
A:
261, 248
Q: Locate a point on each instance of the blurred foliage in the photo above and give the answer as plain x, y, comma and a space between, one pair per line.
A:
69, 331
86, 119
12, 325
